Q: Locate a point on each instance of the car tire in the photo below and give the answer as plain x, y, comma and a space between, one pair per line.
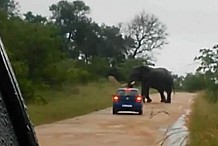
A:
114, 111
140, 112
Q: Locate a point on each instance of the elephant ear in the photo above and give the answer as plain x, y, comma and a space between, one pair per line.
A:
146, 69
142, 69
145, 72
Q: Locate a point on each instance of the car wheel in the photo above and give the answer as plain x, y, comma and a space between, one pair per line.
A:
114, 111
140, 112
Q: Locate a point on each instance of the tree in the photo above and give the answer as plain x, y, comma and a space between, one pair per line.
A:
193, 82
70, 17
209, 60
112, 45
147, 32
35, 48
29, 17
209, 66
9, 6
178, 81
86, 42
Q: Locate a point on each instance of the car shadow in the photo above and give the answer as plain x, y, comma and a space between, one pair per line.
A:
127, 113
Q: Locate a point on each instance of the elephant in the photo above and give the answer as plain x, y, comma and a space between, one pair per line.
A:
157, 78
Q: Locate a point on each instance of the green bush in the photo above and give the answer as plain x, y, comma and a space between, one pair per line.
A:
194, 82
98, 67
39, 100
83, 76
53, 75
212, 96
27, 89
114, 71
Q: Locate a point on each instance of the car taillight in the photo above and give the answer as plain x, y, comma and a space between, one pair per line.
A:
115, 98
138, 99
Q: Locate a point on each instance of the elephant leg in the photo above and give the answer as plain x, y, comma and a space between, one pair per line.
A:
169, 96
163, 99
147, 96
145, 93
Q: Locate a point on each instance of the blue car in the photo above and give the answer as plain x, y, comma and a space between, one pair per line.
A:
127, 99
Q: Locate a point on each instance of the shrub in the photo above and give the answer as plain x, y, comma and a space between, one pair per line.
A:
194, 82
27, 89
212, 96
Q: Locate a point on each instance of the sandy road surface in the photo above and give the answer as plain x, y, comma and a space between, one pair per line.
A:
101, 128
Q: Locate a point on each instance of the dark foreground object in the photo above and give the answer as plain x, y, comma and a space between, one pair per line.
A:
15, 126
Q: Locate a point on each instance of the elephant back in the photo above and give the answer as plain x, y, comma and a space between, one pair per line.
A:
161, 75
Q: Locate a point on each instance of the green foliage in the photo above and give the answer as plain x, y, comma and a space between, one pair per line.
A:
178, 82
68, 48
209, 60
29, 17
211, 95
85, 39
83, 76
115, 72
33, 49
193, 82
27, 89
78, 72
94, 70
112, 45
99, 66
39, 100
9, 6
203, 123
209, 66
53, 76
70, 17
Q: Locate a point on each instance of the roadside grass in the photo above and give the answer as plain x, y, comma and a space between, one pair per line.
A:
203, 122
70, 101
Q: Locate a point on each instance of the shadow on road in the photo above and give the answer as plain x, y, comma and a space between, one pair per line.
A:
127, 113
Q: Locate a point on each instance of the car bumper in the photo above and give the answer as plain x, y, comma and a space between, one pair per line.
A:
127, 107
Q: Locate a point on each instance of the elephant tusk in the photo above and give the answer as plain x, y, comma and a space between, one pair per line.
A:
126, 84
132, 83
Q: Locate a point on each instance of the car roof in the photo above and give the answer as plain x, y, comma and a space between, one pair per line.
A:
128, 89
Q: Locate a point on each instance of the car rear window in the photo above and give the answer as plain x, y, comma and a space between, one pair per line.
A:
127, 93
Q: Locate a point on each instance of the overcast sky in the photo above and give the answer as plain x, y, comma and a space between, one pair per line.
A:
191, 24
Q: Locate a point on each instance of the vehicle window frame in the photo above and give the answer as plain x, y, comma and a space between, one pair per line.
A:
124, 92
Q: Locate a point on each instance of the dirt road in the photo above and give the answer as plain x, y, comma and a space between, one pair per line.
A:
101, 128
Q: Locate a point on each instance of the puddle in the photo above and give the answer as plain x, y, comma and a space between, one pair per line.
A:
177, 134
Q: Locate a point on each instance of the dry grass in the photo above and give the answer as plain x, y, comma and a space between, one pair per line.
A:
71, 101
204, 123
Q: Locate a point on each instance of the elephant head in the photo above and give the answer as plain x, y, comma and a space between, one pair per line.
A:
138, 74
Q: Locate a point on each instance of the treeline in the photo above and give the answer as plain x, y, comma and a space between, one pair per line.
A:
69, 47
205, 77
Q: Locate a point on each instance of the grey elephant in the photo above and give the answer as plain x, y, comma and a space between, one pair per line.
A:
157, 78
